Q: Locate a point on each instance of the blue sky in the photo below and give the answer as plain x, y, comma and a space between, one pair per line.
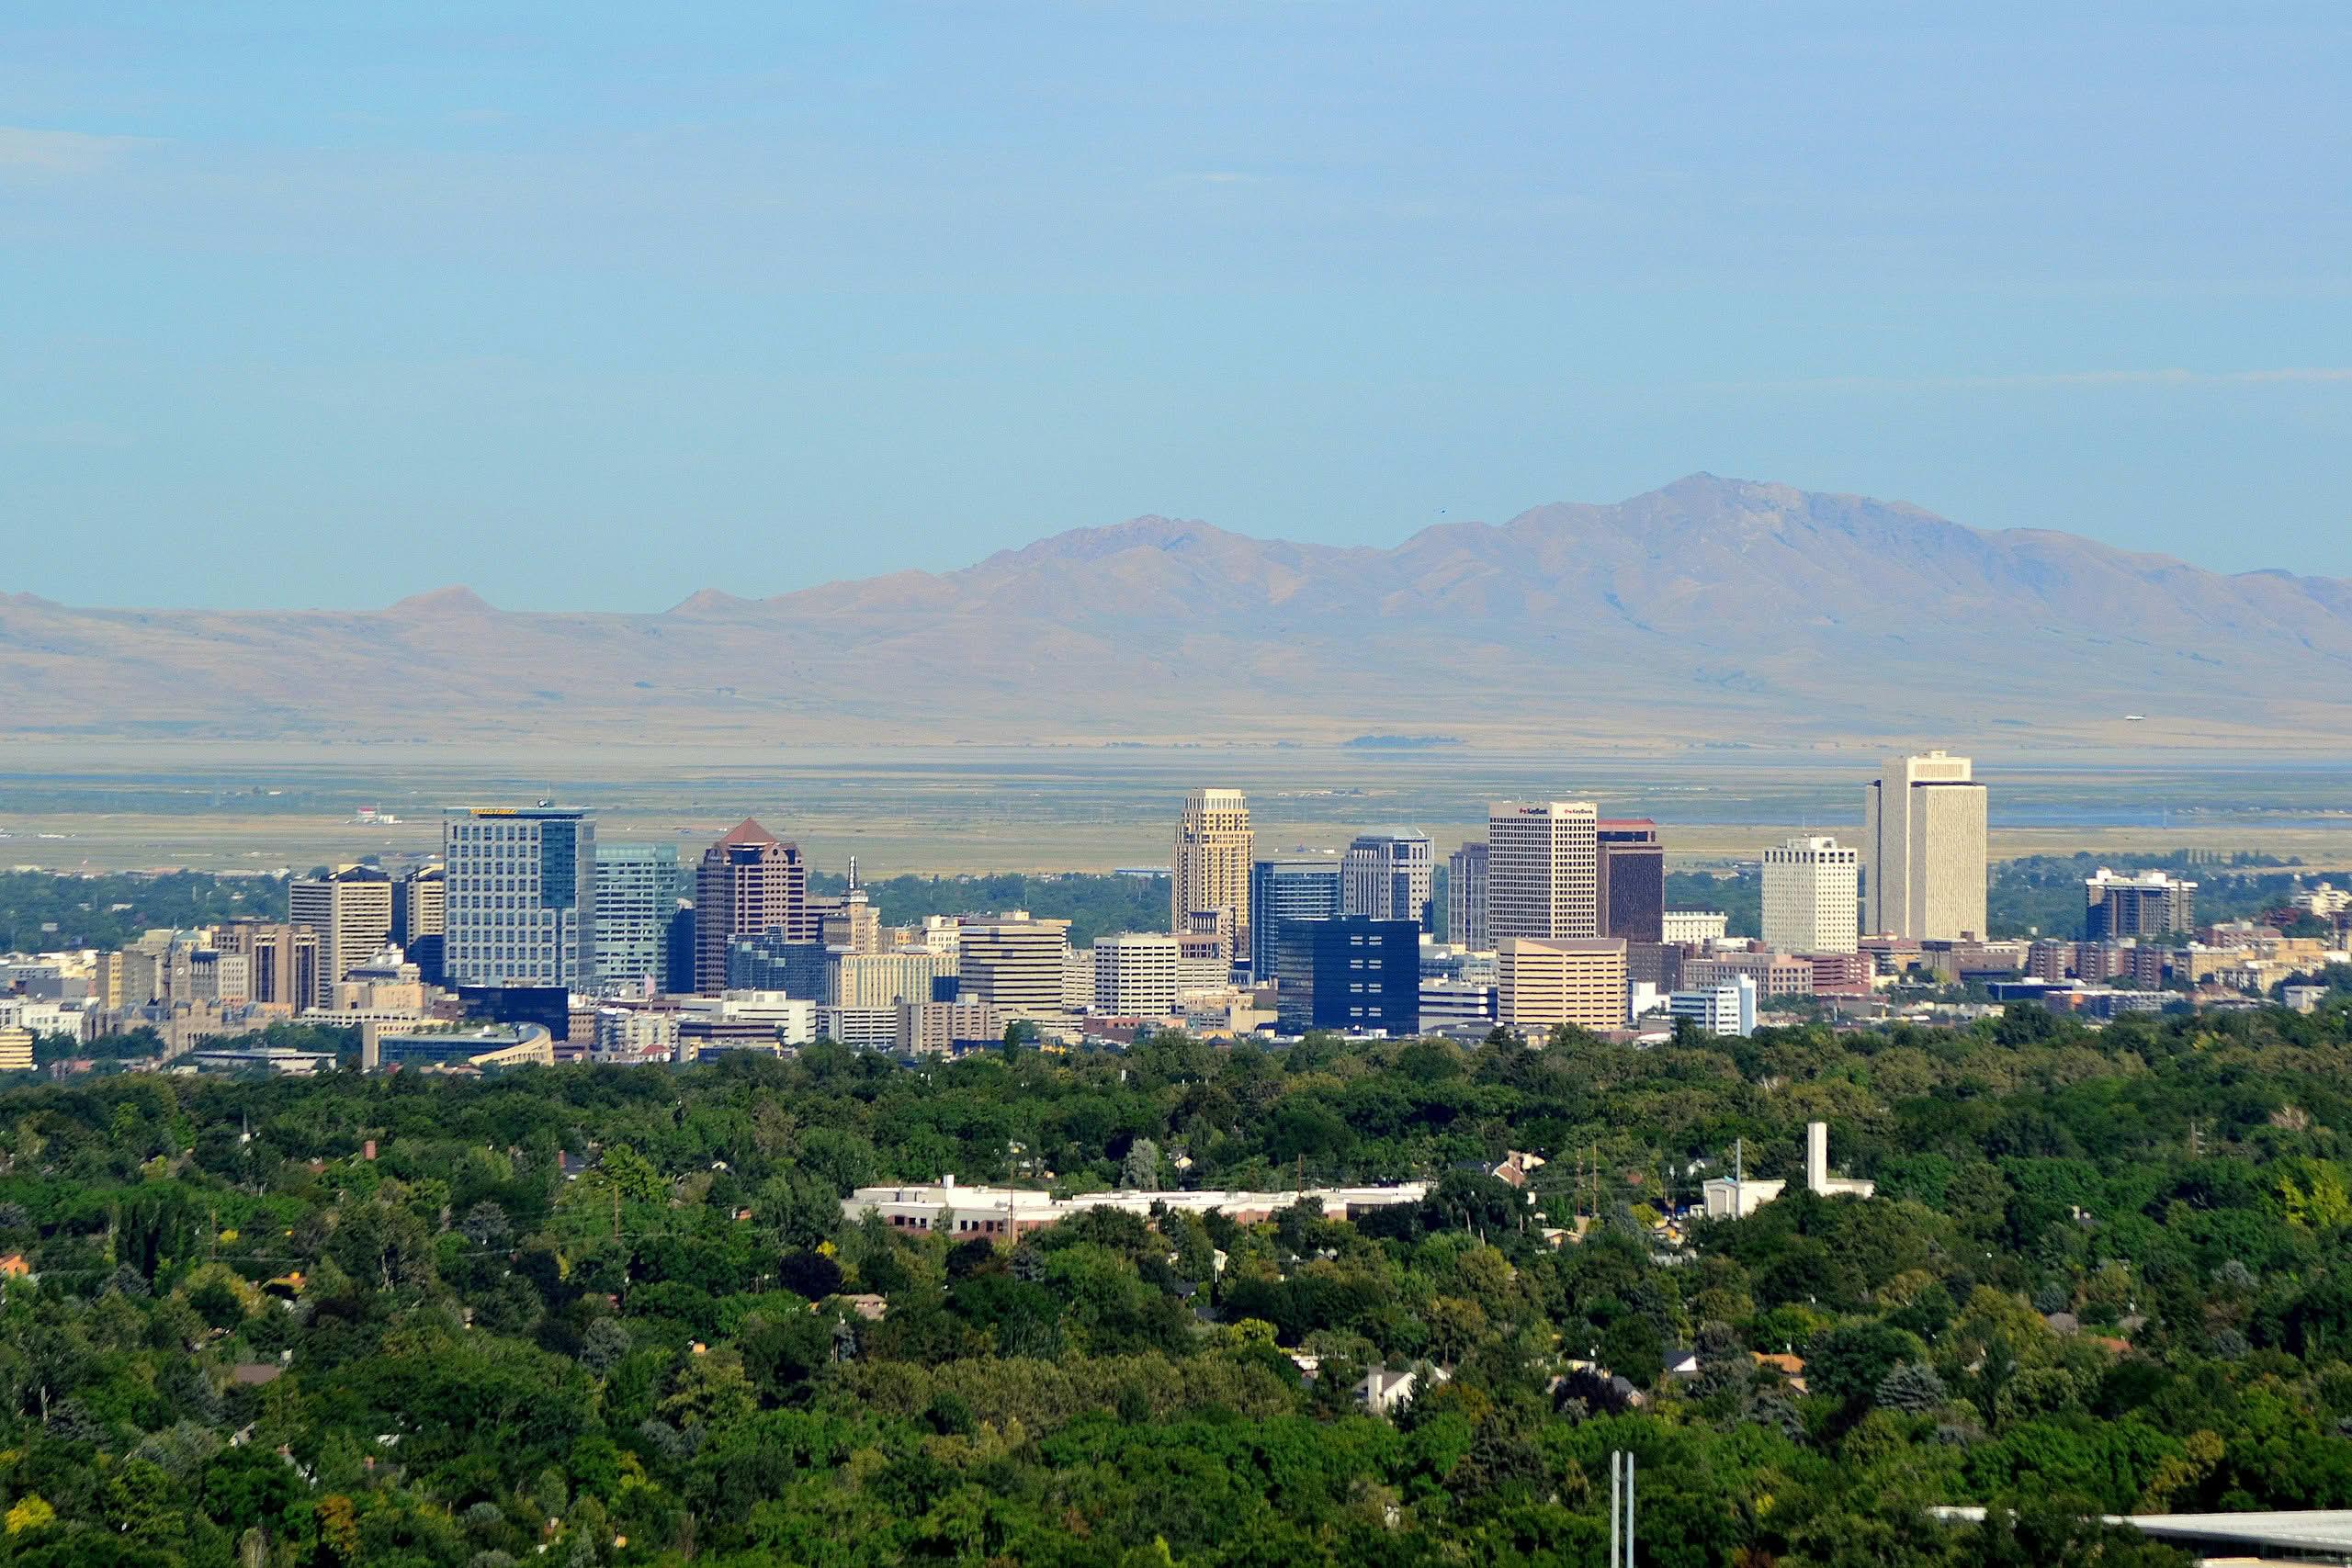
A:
594, 305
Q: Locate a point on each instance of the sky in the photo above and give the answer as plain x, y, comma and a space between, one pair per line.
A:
591, 306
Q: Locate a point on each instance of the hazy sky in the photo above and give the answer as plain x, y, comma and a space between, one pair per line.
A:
591, 305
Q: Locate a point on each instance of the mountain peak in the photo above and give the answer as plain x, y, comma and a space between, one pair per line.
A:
455, 599
711, 601
1149, 532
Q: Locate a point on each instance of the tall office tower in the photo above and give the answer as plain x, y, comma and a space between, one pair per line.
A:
351, 908
282, 962
2150, 904
522, 896
1134, 974
637, 889
420, 916
750, 883
1348, 973
1579, 981
678, 975
1288, 888
1465, 898
1387, 876
1633, 878
1811, 892
1014, 963
1923, 849
1211, 870
1543, 869
420, 904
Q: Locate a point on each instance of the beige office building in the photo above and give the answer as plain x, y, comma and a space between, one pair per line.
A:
886, 979
1211, 870
281, 962
352, 912
420, 905
1135, 974
1811, 897
1013, 965
1542, 869
16, 1050
1548, 982
1923, 850
931, 1029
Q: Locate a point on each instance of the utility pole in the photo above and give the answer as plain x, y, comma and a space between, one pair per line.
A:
1620, 1509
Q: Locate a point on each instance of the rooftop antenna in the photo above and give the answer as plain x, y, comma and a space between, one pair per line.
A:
853, 873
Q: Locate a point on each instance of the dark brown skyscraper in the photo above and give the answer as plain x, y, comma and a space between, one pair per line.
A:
750, 883
1633, 879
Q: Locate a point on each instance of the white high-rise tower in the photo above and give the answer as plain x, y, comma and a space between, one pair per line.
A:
1811, 888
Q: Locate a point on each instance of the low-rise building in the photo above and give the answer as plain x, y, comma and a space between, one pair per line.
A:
945, 1207
1693, 928
1726, 1009
455, 1049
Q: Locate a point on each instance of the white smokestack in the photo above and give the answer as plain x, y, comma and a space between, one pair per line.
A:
1816, 1156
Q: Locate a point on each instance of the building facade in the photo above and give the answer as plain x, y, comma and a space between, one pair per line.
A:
1924, 848
351, 908
1694, 928
2150, 904
281, 962
1726, 1008
637, 889
1293, 887
750, 883
522, 897
1388, 876
1351, 974
1135, 974
886, 979
1465, 898
1812, 888
1211, 869
1013, 965
1633, 878
1542, 869
1546, 982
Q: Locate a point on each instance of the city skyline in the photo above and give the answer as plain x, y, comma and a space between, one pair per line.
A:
1178, 783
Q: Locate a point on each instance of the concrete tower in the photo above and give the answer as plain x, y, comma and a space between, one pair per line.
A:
1923, 849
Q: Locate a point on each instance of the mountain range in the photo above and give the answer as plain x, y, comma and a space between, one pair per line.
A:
1710, 611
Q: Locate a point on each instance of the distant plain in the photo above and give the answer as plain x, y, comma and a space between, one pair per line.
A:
128, 804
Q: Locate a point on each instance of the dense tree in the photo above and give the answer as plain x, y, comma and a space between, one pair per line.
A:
281, 1354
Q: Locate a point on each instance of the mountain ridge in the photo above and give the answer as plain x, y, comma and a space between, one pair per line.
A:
1706, 607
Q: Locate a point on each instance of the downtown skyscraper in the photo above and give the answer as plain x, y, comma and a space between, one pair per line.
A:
1924, 849
521, 899
1210, 870
750, 883
1543, 869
